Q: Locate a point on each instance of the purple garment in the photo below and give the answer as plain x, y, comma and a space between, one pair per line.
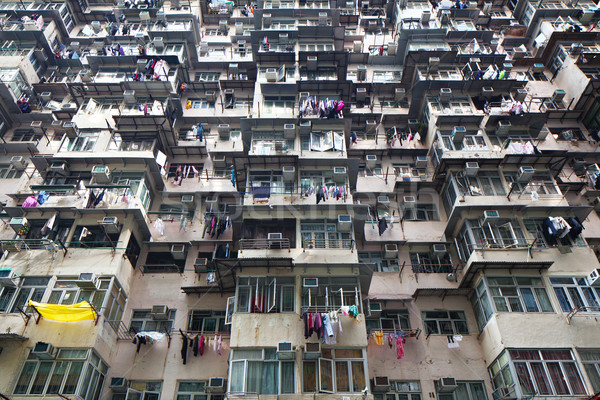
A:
31, 201
318, 325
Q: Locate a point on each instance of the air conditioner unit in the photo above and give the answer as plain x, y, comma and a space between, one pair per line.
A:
203, 47
364, 5
18, 162
289, 173
587, 16
361, 94
285, 351
44, 351
159, 313
211, 202
223, 129
46, 96
439, 249
487, 8
158, 43
390, 250
370, 125
200, 264
274, 236
487, 91
271, 74
178, 251
357, 46
399, 94
129, 96
311, 63
216, 385
322, 19
361, 72
339, 174
344, 223
503, 128
118, 384
305, 127
445, 93
312, 351
444, 17
30, 26
471, 168
8, 277
289, 131
446, 385
223, 26
310, 282
458, 133
383, 200
409, 202
421, 162
187, 198
537, 68
110, 224
18, 224
525, 174
70, 129
392, 48
558, 96
594, 277
521, 95
101, 174
374, 308
219, 161
96, 26
381, 384
543, 133
425, 16
60, 167
490, 216
370, 161
239, 28
87, 281
211, 96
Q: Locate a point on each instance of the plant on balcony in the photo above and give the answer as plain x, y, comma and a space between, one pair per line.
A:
24, 230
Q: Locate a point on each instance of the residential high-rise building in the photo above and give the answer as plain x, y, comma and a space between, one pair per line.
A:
299, 199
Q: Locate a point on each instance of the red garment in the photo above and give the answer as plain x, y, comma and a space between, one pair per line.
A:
399, 347
310, 325
201, 345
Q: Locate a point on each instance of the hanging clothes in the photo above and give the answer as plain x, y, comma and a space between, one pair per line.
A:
327, 331
184, 347
378, 336
219, 344
382, 225
195, 345
318, 325
159, 226
201, 344
399, 347
49, 224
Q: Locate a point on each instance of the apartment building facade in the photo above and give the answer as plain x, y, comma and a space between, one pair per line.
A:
374, 199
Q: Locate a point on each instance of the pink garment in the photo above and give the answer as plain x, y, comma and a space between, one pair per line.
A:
389, 340
31, 201
340, 105
399, 348
219, 344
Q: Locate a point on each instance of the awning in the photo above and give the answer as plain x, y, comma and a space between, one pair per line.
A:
66, 313
390, 296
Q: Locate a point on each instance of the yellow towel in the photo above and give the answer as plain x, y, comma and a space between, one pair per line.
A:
378, 338
65, 313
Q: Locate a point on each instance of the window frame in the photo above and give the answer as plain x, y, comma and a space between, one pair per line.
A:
453, 323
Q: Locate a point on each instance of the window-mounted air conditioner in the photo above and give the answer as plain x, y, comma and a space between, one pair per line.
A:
594, 277
218, 160
390, 250
446, 385
537, 68
311, 63
357, 46
285, 351
70, 129
322, 19
399, 94
289, 131
110, 224
274, 236
187, 198
46, 96
211, 201
439, 249
44, 351
178, 251
370, 161
200, 264
392, 48
525, 174
381, 384
361, 72
383, 200
305, 127
421, 161
458, 133
271, 74
159, 312
239, 28
490, 216
129, 96
310, 282
503, 128
60, 167
312, 351
216, 385
18, 162
18, 223
361, 94
289, 173
487, 91
8, 277
558, 96
370, 125
409, 202
374, 308
203, 47
339, 174
471, 168
445, 93
344, 223
87, 281
223, 26
211, 96
425, 16
101, 174
118, 384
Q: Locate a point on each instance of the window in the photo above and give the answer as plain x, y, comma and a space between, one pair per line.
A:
518, 294
541, 183
25, 135
390, 321
575, 293
269, 142
481, 305
591, 363
32, 288
445, 322
142, 320
431, 263
265, 294
421, 212
85, 141
269, 178
130, 143
466, 391
332, 293
324, 234
259, 371
501, 233
279, 104
72, 368
92, 237
66, 291
201, 104
338, 371
195, 390
401, 390
140, 390
206, 321
535, 226
539, 372
207, 76
380, 264
7, 171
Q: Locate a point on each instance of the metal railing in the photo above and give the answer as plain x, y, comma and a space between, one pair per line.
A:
406, 332
434, 268
328, 244
581, 309
263, 244
502, 244
123, 333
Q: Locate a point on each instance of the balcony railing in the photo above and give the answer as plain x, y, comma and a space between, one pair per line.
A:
264, 244
502, 243
328, 244
434, 268
121, 330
